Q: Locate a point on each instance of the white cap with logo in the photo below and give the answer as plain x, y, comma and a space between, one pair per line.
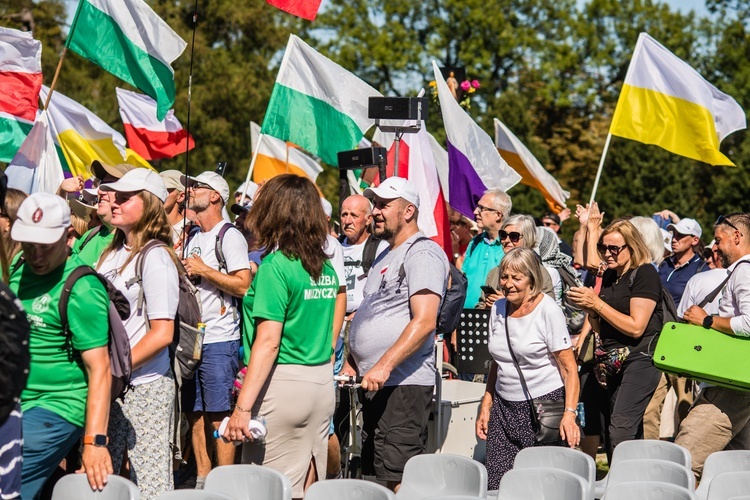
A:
42, 218
686, 226
139, 179
395, 187
212, 180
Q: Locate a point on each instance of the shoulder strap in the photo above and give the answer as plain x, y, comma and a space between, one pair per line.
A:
475, 242
401, 270
525, 388
16, 265
62, 306
369, 253
632, 277
711, 296
218, 250
92, 234
140, 261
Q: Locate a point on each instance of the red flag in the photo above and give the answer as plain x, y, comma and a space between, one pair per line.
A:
306, 9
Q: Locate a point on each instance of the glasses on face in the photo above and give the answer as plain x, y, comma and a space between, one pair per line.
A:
613, 250
549, 223
482, 208
513, 236
724, 219
678, 236
200, 185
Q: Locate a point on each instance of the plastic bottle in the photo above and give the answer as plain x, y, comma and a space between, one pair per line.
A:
257, 429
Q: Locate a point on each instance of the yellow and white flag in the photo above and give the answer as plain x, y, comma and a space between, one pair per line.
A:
277, 157
532, 172
665, 102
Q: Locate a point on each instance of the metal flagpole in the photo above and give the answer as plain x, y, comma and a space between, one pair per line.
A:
187, 142
599, 172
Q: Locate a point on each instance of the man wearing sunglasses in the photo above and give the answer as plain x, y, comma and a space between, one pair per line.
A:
720, 417
485, 251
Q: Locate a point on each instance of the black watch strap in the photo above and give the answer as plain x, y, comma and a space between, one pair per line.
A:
708, 322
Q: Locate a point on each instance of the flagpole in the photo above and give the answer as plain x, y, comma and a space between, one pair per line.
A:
252, 166
62, 56
187, 142
601, 165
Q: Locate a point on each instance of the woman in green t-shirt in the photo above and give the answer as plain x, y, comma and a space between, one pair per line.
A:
288, 335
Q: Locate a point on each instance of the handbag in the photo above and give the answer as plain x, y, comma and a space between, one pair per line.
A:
546, 414
588, 346
609, 362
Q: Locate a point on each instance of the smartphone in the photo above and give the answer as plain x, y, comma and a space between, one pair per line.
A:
221, 167
488, 290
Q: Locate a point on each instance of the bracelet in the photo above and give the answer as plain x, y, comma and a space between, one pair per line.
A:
241, 409
599, 311
572, 410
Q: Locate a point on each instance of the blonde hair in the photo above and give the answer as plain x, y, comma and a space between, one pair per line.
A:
652, 237
79, 225
639, 252
525, 261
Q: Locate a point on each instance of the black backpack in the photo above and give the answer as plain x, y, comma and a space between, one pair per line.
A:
369, 253
120, 361
14, 351
452, 304
668, 309
574, 315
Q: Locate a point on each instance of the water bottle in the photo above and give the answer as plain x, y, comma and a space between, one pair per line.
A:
257, 429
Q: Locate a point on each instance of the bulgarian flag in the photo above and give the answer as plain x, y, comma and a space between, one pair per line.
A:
317, 104
306, 9
128, 39
148, 136
20, 82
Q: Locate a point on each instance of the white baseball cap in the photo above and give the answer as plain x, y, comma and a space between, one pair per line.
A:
395, 187
211, 179
42, 218
251, 189
139, 179
171, 180
686, 226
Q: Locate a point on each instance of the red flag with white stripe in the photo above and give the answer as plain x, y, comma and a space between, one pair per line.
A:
147, 136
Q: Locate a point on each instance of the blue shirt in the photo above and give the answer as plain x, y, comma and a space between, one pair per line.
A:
675, 278
481, 256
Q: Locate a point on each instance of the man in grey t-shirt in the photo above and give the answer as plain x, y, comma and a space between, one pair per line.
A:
392, 334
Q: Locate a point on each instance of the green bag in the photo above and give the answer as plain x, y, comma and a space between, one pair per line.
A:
704, 355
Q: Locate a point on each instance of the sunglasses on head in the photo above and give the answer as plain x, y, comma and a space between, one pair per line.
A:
512, 236
613, 250
724, 219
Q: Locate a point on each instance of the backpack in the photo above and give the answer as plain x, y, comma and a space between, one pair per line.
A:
452, 304
668, 309
187, 343
92, 234
368, 253
14, 351
119, 343
574, 315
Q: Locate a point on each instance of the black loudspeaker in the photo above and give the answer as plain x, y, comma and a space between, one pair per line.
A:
360, 158
397, 108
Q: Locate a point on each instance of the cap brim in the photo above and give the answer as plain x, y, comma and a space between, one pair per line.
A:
237, 209
121, 187
372, 192
82, 210
41, 235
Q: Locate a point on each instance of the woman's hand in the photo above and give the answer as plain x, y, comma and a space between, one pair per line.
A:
491, 299
483, 419
569, 429
595, 216
238, 428
585, 298
582, 214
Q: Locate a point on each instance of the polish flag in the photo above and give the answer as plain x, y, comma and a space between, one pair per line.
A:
147, 136
417, 163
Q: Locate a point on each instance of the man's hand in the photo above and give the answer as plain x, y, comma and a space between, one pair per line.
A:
195, 266
375, 379
97, 464
71, 184
564, 215
669, 215
695, 315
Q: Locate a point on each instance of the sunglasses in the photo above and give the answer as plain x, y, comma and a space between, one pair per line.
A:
614, 250
724, 219
200, 185
482, 208
549, 223
512, 236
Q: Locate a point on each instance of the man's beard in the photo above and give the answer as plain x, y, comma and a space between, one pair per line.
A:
724, 261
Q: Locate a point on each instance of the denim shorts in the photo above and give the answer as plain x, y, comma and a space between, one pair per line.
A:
211, 388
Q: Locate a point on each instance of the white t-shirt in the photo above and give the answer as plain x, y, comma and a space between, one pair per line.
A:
336, 255
162, 294
534, 338
355, 275
698, 287
221, 318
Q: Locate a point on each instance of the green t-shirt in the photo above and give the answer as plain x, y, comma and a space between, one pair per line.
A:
283, 291
91, 252
57, 378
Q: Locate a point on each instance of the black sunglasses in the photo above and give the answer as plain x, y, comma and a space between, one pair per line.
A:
724, 219
614, 250
512, 236
200, 185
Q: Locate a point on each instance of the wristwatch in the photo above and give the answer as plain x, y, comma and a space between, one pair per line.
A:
708, 321
574, 411
99, 440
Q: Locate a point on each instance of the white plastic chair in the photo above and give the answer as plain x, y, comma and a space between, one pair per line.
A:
646, 449
348, 489
720, 462
543, 484
249, 482
76, 487
457, 497
660, 471
442, 474
647, 490
729, 485
193, 495
557, 457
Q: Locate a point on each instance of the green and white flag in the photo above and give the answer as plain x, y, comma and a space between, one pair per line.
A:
317, 104
128, 39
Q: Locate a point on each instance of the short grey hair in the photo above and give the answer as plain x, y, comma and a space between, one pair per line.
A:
500, 201
525, 225
525, 261
652, 237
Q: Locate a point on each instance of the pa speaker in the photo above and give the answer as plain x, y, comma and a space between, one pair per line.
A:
360, 158
397, 108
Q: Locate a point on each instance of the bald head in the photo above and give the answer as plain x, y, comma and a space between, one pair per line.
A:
355, 217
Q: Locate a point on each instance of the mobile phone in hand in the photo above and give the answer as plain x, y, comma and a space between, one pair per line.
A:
488, 290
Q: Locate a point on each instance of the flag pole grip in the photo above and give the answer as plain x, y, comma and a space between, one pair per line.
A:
599, 171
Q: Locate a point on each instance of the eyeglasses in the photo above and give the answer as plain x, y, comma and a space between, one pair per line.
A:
512, 236
724, 219
200, 185
549, 223
614, 250
482, 208
679, 236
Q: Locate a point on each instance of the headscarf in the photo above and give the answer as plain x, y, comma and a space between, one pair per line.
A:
549, 251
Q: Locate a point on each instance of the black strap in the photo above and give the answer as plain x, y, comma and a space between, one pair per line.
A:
711, 296
62, 305
534, 418
370, 253
90, 237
